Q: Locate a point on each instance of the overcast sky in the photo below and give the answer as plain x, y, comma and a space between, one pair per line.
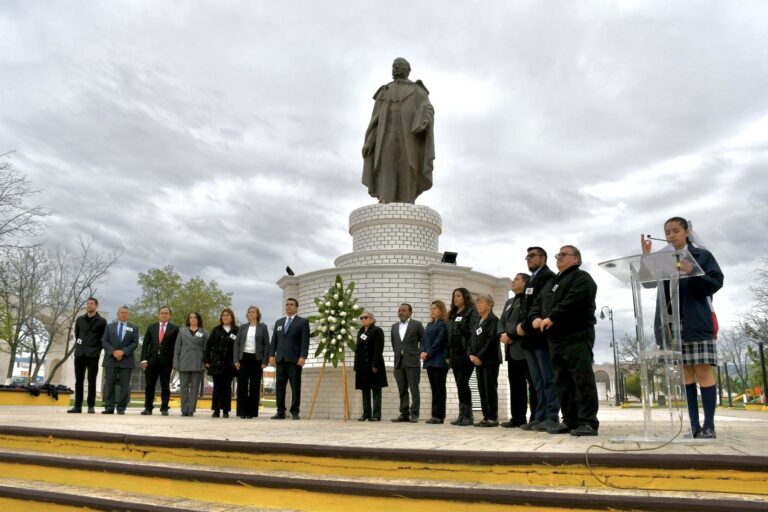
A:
224, 138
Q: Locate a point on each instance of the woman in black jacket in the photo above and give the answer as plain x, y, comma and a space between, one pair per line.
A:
218, 362
462, 317
485, 354
251, 354
370, 374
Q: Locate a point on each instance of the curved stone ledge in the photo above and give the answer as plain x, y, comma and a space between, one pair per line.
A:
388, 257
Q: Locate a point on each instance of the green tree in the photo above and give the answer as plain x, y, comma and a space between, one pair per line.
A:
165, 287
632, 385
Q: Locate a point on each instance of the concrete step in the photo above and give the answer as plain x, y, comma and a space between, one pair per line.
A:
307, 477
173, 484
33, 495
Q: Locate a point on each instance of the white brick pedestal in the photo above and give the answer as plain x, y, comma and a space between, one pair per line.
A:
394, 259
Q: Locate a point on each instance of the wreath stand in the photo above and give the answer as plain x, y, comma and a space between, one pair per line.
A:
344, 392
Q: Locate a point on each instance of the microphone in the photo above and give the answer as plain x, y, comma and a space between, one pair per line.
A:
649, 237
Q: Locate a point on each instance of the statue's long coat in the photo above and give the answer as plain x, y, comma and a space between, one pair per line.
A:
419, 148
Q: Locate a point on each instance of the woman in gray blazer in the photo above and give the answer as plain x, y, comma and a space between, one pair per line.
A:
251, 356
188, 360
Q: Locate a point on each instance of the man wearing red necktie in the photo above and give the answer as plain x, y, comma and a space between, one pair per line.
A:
157, 360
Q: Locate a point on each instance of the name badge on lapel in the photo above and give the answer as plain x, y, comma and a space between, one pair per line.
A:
363, 337
79, 341
458, 319
199, 334
232, 336
554, 288
479, 331
279, 328
529, 291
129, 329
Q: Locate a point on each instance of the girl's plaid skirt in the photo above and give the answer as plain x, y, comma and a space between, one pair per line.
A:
700, 352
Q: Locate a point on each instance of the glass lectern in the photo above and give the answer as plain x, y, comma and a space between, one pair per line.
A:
654, 279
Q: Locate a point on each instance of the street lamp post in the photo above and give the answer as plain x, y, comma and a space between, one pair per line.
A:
762, 371
616, 393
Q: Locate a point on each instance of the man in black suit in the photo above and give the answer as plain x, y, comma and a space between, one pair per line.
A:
157, 360
546, 413
120, 339
406, 336
287, 353
89, 329
566, 313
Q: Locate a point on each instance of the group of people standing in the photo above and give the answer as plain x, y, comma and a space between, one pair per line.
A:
546, 329
229, 351
548, 334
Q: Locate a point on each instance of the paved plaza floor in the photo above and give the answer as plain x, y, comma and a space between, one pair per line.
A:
739, 432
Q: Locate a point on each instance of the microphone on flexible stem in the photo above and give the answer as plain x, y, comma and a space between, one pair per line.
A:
649, 237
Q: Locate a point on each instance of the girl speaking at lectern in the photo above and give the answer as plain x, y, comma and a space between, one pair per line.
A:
697, 323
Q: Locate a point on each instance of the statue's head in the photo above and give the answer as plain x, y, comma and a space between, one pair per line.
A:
400, 68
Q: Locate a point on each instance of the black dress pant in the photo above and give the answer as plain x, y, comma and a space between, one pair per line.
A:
119, 378
156, 371
372, 410
437, 378
521, 391
91, 364
248, 386
221, 397
288, 373
462, 374
575, 383
408, 380
487, 385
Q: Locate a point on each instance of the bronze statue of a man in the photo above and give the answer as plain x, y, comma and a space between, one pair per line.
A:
399, 143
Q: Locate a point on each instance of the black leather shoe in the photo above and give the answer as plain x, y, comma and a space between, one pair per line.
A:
146, 412
401, 419
107, 411
91, 410
164, 412
414, 419
511, 424
278, 416
121, 412
434, 421
491, 423
559, 428
215, 414
375, 419
363, 418
584, 430
75, 410
295, 417
545, 425
530, 425
707, 433
225, 414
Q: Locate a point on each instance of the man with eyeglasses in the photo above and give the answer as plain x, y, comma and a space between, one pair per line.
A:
545, 409
565, 312
288, 352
